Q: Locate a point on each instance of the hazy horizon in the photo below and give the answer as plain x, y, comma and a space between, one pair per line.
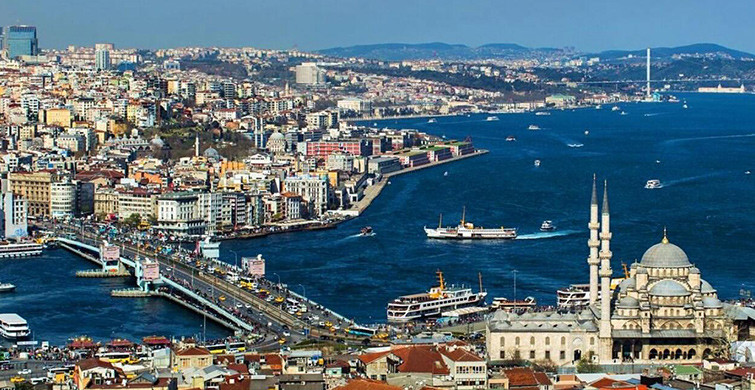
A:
589, 26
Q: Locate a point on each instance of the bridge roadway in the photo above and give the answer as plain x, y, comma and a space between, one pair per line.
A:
188, 279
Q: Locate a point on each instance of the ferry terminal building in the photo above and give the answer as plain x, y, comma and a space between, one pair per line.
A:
664, 312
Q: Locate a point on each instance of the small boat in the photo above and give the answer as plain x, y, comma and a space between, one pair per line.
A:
445, 173
542, 113
657, 161
547, 226
623, 113
587, 132
598, 107
491, 118
537, 163
366, 231
6, 287
510, 138
747, 172
684, 105
615, 108
533, 127
432, 120
653, 184
575, 145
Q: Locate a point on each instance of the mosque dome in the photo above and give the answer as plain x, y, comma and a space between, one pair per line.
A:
628, 303
694, 270
712, 302
706, 288
665, 255
211, 153
668, 288
157, 141
627, 283
277, 136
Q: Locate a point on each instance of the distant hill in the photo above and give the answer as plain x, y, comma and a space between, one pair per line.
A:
445, 51
439, 50
710, 49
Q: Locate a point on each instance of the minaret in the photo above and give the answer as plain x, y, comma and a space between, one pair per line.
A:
593, 243
196, 145
648, 73
605, 268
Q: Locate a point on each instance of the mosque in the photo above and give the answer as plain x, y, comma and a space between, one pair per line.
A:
662, 312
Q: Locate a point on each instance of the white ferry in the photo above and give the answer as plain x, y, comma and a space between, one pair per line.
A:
653, 184
491, 118
20, 250
434, 302
513, 306
574, 297
468, 231
533, 127
13, 327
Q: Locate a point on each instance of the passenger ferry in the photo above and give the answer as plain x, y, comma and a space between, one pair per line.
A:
653, 184
432, 303
209, 249
468, 231
20, 250
516, 306
577, 296
13, 326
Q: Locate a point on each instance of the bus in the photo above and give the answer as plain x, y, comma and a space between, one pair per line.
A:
357, 330
59, 374
228, 347
115, 357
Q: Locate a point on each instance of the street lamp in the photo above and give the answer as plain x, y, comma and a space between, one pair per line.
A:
305, 291
279, 278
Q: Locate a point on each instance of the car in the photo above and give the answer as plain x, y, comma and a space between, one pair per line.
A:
248, 306
25, 371
286, 333
239, 305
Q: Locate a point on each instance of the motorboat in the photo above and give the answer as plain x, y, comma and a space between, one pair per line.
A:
366, 231
542, 113
432, 120
7, 287
510, 138
575, 145
598, 107
623, 113
615, 108
653, 184
587, 132
533, 127
547, 226
445, 173
537, 163
491, 118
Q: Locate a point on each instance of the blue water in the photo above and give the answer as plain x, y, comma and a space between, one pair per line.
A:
706, 205
58, 305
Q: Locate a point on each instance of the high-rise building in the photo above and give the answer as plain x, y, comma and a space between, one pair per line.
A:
102, 56
308, 73
20, 41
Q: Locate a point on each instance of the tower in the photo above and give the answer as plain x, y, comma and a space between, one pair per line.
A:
605, 270
648, 73
593, 243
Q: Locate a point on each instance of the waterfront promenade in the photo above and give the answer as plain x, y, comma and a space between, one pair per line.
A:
371, 193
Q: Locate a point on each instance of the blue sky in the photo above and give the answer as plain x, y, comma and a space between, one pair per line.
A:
316, 24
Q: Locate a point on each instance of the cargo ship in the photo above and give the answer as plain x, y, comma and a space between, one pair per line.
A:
468, 231
431, 304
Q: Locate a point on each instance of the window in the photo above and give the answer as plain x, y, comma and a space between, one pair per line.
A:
516, 340
548, 355
503, 341
503, 355
532, 340
532, 354
563, 340
547, 341
562, 355
592, 340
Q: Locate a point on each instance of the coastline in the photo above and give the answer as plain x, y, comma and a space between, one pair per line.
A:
371, 193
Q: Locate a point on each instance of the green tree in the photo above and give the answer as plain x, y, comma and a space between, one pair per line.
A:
585, 366
133, 220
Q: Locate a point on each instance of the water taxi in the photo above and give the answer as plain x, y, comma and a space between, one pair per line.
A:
547, 226
366, 231
653, 184
434, 302
7, 287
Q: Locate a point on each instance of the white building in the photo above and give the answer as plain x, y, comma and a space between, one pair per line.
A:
15, 214
179, 213
314, 190
308, 73
62, 199
210, 207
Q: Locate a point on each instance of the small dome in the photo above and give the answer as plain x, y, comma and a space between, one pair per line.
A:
706, 288
211, 153
628, 303
627, 283
642, 270
157, 141
712, 302
668, 288
694, 270
277, 135
665, 255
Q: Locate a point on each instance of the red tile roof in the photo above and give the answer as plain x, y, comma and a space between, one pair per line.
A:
367, 384
421, 358
460, 355
193, 351
522, 377
368, 358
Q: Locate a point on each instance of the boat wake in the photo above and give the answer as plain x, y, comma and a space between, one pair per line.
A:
652, 114
690, 179
539, 235
712, 137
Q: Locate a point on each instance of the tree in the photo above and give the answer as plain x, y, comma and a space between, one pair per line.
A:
133, 220
585, 366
